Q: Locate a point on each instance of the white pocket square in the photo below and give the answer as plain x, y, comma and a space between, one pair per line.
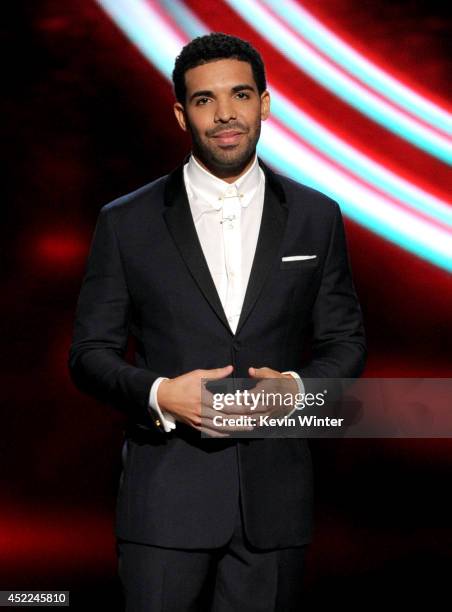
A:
298, 257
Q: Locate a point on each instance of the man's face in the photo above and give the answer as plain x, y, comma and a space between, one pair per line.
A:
223, 112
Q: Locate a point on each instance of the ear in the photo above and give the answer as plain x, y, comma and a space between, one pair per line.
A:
265, 105
179, 111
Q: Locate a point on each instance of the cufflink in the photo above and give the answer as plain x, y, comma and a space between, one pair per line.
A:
157, 422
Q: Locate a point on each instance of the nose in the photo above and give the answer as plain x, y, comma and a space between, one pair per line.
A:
224, 111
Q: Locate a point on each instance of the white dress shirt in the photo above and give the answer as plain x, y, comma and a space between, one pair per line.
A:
227, 218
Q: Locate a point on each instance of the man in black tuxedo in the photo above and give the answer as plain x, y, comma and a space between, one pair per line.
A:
220, 269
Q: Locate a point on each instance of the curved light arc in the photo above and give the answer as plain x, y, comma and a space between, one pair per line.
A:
358, 202
310, 28
338, 82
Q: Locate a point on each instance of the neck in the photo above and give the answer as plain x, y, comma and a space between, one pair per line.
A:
229, 175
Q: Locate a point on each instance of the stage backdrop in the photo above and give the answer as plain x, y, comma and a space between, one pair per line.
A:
359, 111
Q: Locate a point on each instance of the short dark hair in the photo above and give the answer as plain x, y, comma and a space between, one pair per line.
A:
215, 46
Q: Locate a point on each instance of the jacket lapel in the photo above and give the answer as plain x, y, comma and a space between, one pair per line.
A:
274, 218
180, 224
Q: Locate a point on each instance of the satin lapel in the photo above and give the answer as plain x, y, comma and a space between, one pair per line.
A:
274, 218
180, 224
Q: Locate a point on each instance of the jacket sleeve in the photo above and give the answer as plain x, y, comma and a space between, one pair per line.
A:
96, 356
338, 339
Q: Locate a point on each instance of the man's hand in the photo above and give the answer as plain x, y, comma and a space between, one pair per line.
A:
181, 396
288, 386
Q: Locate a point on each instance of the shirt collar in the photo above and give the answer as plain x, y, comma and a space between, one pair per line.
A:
210, 189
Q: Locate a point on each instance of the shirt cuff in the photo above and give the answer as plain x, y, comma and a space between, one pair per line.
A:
167, 419
299, 383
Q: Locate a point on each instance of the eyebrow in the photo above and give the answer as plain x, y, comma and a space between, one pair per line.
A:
207, 93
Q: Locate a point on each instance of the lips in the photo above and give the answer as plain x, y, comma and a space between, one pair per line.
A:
228, 138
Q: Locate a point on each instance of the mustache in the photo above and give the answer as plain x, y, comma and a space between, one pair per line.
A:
227, 128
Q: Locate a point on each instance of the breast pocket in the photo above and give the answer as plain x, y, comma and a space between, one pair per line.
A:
299, 264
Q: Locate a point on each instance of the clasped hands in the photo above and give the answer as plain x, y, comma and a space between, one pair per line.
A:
189, 401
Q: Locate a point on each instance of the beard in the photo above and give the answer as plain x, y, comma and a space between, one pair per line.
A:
228, 160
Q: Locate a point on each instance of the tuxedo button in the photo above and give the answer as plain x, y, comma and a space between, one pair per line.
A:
236, 345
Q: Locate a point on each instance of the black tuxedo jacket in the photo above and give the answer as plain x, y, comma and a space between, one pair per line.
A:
147, 276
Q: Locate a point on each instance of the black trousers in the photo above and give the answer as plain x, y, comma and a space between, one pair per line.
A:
235, 577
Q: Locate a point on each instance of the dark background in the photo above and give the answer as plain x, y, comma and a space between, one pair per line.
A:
86, 119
